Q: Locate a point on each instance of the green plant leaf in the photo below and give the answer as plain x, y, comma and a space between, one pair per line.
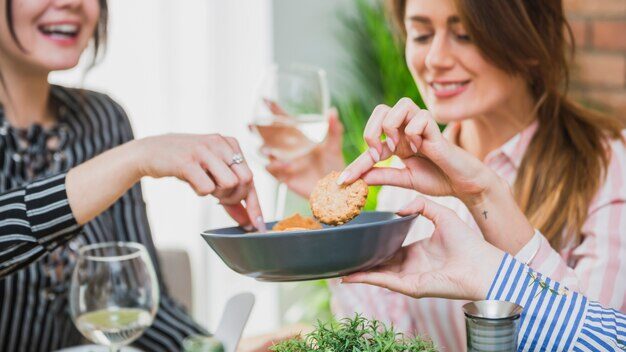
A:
355, 334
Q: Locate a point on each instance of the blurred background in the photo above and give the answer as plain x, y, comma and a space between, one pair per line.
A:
194, 66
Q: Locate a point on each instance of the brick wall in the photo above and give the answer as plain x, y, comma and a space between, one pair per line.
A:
599, 72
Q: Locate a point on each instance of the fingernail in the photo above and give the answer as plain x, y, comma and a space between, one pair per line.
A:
334, 111
260, 224
391, 144
342, 178
248, 228
413, 147
374, 154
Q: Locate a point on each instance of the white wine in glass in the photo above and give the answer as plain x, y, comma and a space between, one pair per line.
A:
290, 116
114, 294
114, 326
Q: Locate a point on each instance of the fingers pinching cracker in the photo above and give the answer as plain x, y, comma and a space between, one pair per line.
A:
334, 204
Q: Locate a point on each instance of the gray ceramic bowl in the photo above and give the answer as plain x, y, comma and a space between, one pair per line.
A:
363, 243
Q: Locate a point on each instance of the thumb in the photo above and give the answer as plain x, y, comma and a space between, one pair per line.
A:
429, 209
390, 281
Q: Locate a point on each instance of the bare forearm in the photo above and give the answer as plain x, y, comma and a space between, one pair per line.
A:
500, 219
95, 185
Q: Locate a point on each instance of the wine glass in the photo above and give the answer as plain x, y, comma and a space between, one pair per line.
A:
114, 293
290, 115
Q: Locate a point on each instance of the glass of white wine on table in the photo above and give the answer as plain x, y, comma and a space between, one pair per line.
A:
290, 116
114, 293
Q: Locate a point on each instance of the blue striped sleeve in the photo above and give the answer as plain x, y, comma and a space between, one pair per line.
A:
554, 318
603, 330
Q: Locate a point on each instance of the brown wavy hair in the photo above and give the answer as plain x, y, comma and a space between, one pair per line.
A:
567, 159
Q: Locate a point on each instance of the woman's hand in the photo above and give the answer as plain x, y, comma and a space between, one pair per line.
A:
206, 163
454, 263
437, 167
434, 165
301, 174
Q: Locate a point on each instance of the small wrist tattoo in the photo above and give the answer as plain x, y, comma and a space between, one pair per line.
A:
485, 214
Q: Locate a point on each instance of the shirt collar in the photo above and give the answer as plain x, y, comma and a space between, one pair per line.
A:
513, 149
62, 96
67, 99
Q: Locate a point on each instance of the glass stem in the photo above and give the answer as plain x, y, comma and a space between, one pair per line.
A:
281, 200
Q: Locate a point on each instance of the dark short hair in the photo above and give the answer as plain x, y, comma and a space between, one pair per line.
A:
99, 35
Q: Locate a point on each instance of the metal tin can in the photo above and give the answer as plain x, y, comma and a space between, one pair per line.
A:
492, 326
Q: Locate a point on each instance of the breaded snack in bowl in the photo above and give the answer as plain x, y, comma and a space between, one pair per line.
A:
334, 204
297, 222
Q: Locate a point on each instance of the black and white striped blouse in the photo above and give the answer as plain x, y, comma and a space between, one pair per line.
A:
39, 237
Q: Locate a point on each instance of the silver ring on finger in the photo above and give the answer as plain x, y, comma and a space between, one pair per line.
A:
236, 159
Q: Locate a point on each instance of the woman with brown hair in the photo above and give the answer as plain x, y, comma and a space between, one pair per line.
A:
540, 177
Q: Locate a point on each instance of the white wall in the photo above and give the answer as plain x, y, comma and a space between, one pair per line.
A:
190, 66
309, 31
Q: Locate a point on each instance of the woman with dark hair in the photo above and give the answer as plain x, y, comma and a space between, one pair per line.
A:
540, 177
69, 176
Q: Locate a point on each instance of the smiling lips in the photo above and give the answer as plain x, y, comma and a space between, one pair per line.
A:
61, 33
448, 89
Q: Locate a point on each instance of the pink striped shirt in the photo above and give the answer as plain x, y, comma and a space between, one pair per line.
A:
596, 267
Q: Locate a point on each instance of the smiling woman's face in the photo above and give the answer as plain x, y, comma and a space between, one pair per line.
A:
52, 33
455, 81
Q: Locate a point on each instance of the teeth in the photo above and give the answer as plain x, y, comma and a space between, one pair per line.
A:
446, 86
68, 29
